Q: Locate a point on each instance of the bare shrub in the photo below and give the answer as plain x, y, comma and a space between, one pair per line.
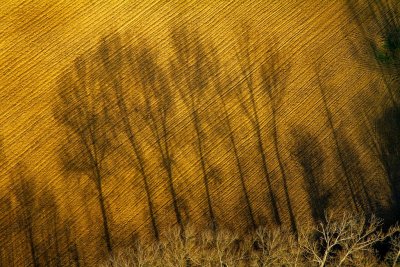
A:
276, 248
345, 241
348, 240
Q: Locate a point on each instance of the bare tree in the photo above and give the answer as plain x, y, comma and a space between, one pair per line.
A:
82, 108
393, 257
192, 70
276, 247
341, 241
24, 189
340, 154
112, 56
310, 156
157, 112
274, 75
251, 108
345, 240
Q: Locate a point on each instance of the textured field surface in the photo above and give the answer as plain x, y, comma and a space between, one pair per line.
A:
40, 39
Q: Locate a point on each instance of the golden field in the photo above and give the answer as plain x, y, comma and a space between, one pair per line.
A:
318, 45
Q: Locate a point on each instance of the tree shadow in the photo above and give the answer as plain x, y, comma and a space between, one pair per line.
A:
379, 25
345, 171
81, 108
191, 70
247, 95
365, 197
310, 156
38, 217
386, 147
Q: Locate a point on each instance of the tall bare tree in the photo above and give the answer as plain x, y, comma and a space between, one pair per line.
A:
247, 97
222, 84
82, 108
113, 56
274, 74
191, 70
336, 139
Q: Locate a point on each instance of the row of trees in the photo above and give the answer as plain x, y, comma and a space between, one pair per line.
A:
345, 241
124, 99
34, 231
162, 115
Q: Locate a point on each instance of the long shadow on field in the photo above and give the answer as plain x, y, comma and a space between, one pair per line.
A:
310, 156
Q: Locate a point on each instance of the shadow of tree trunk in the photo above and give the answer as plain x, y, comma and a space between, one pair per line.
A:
111, 53
191, 70
274, 75
388, 152
248, 103
336, 139
225, 127
82, 109
354, 165
157, 112
24, 189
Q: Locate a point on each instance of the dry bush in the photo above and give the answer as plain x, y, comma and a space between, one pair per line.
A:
345, 241
393, 257
278, 247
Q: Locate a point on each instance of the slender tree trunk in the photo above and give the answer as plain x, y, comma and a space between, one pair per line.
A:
293, 223
106, 230
241, 178
261, 150
196, 122
132, 141
35, 260
337, 145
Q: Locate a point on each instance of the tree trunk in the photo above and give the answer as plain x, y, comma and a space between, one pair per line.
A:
106, 230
